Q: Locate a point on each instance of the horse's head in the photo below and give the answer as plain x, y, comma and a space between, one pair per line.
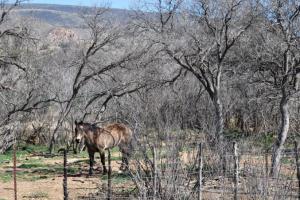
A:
79, 131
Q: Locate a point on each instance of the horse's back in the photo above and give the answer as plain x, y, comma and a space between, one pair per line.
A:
120, 132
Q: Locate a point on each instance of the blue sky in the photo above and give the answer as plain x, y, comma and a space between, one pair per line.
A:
113, 3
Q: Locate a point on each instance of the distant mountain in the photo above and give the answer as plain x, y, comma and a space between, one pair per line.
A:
63, 8
67, 16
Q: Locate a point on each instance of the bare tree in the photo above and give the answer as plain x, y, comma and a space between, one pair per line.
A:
103, 53
277, 58
199, 38
18, 97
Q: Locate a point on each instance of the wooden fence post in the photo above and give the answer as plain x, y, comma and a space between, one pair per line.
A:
298, 165
15, 170
65, 181
236, 171
200, 165
154, 173
266, 184
109, 190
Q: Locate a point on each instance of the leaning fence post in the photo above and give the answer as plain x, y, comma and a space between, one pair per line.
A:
15, 169
109, 190
236, 170
200, 164
154, 173
65, 181
298, 166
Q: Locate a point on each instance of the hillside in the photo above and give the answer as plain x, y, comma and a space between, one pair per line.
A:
65, 15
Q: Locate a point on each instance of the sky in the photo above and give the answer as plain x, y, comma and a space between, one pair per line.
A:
125, 4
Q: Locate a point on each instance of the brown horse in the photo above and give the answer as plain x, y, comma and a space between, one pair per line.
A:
100, 139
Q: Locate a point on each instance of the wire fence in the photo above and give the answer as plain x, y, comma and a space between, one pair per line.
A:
159, 173
193, 171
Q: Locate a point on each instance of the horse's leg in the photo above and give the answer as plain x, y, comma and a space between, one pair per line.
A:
102, 156
125, 161
74, 146
91, 155
125, 157
82, 146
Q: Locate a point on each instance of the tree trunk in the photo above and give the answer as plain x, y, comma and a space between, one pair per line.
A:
54, 134
219, 118
282, 134
219, 137
61, 119
54, 137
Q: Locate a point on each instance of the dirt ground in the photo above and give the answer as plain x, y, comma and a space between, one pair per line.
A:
51, 188
81, 185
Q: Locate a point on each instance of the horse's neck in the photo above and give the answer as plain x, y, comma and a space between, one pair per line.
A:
89, 138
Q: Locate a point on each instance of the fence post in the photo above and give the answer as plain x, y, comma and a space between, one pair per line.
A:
65, 181
15, 170
109, 190
154, 173
200, 164
298, 165
236, 170
266, 184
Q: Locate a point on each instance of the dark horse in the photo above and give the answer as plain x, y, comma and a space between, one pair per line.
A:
100, 139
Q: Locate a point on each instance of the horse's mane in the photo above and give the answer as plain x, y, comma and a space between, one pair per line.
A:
89, 126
